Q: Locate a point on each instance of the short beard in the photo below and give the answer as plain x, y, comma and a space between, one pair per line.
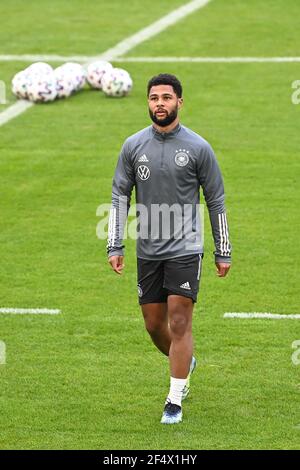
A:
167, 120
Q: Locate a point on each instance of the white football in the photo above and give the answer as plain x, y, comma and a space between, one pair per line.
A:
77, 73
42, 88
40, 68
66, 84
95, 72
19, 84
117, 83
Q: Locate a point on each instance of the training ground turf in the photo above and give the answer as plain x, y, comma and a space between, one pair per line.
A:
89, 378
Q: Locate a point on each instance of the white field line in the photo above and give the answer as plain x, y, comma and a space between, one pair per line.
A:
265, 316
155, 28
88, 59
209, 59
129, 43
25, 311
14, 110
45, 58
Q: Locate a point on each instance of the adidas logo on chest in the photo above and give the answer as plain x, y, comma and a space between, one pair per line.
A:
143, 158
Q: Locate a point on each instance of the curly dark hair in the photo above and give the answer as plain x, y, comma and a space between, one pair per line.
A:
165, 79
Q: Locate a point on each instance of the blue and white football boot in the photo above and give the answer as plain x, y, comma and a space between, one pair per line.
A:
186, 389
172, 414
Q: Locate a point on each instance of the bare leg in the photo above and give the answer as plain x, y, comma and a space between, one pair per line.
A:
180, 311
156, 322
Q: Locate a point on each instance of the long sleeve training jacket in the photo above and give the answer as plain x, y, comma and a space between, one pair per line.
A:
167, 170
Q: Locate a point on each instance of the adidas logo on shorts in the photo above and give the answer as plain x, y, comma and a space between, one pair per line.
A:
186, 285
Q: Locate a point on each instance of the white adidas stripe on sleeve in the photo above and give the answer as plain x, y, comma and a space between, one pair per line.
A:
224, 236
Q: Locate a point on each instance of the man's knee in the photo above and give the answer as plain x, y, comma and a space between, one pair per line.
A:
153, 325
179, 324
155, 318
180, 316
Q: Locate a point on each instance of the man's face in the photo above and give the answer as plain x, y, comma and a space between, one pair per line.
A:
163, 105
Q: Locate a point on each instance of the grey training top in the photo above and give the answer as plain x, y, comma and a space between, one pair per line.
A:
167, 170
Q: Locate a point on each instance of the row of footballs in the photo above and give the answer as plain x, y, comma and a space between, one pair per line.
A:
41, 83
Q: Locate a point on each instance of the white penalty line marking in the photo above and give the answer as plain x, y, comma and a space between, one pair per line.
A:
126, 45
88, 59
25, 311
215, 60
265, 316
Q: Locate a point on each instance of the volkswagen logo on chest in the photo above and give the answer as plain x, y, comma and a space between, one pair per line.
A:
143, 172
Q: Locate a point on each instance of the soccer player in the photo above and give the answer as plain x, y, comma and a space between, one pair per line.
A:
167, 163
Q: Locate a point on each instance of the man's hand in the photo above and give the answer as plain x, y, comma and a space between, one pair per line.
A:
117, 263
222, 269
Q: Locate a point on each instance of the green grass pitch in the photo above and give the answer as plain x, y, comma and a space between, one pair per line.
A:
90, 378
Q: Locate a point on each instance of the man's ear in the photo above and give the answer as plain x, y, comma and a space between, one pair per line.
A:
180, 102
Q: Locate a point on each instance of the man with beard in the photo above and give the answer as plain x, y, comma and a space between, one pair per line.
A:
167, 163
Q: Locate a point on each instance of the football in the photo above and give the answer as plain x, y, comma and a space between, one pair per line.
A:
117, 83
77, 72
39, 68
95, 72
42, 88
66, 84
19, 84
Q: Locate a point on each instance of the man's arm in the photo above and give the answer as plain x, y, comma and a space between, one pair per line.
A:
210, 179
123, 183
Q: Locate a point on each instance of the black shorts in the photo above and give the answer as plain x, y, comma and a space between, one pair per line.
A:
158, 279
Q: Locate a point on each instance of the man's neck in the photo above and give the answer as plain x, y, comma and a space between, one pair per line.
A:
168, 128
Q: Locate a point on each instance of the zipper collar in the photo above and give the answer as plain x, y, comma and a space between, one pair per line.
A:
166, 135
